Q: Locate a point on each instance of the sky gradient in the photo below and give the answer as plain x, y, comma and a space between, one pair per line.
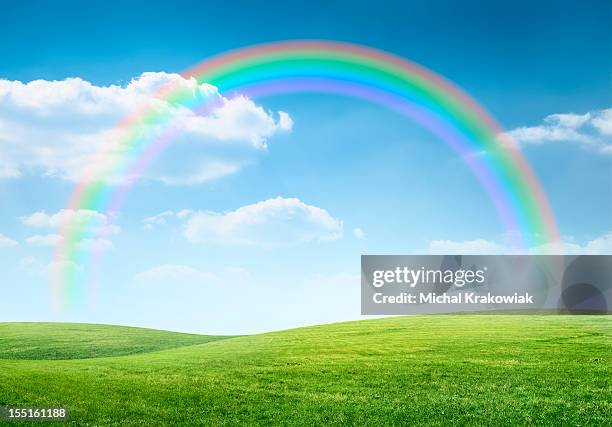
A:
373, 181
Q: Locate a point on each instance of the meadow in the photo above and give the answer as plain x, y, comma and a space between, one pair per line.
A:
427, 370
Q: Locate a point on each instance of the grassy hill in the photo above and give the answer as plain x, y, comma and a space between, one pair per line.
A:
80, 341
435, 370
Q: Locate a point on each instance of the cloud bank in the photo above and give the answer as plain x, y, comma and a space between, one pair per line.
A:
81, 220
601, 245
54, 128
592, 130
7, 242
269, 223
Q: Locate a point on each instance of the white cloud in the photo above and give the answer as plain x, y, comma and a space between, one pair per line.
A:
359, 233
285, 122
44, 240
55, 127
273, 222
237, 119
601, 245
603, 121
159, 219
467, 247
75, 219
184, 213
91, 221
547, 133
591, 129
568, 120
51, 240
7, 242
177, 274
206, 172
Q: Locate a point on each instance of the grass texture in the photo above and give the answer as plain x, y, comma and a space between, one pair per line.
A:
423, 370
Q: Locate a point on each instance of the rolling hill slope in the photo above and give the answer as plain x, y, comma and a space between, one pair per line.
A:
434, 370
77, 340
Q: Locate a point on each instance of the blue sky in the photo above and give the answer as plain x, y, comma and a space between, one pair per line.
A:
372, 181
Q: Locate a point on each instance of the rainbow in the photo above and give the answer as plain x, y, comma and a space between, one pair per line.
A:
323, 67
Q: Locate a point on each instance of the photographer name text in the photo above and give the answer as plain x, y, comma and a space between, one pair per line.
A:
459, 298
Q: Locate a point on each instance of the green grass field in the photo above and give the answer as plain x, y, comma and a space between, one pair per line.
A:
434, 370
48, 341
